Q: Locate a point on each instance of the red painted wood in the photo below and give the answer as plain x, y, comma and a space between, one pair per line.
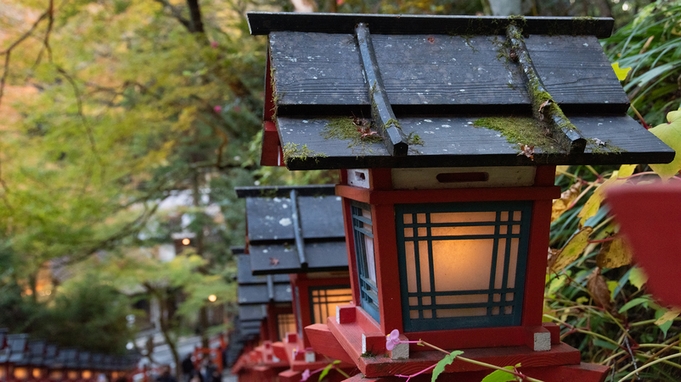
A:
559, 355
545, 176
380, 179
346, 314
366, 322
530, 332
448, 195
535, 273
387, 275
279, 350
353, 193
271, 148
650, 216
582, 373
470, 338
343, 176
290, 376
324, 342
554, 330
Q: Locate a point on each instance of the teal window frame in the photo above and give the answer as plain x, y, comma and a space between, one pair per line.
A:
500, 309
362, 228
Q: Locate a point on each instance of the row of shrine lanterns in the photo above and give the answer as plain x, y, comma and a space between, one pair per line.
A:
24, 359
447, 212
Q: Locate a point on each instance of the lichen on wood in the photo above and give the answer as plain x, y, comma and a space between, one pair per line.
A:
521, 131
356, 130
545, 110
302, 152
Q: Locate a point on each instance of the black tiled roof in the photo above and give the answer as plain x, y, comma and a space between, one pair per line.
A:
429, 84
294, 229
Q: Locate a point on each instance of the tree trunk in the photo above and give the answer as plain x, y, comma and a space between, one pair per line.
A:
195, 16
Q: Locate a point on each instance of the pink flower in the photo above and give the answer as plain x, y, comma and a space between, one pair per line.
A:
305, 376
213, 44
392, 339
217, 109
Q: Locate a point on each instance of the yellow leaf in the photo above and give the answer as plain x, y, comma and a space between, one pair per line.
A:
637, 277
668, 316
592, 205
614, 254
572, 250
627, 170
621, 73
566, 199
669, 133
612, 285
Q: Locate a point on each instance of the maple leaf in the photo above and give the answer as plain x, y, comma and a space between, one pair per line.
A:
274, 261
526, 150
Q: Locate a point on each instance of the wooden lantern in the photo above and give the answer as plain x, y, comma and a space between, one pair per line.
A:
265, 302
298, 231
447, 131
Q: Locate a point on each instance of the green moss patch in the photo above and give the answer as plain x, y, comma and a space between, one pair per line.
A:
295, 151
347, 129
520, 131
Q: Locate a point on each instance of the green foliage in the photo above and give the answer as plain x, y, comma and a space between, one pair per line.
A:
88, 315
649, 45
594, 293
446, 360
502, 376
131, 106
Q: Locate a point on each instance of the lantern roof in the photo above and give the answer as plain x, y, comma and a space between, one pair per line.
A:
36, 352
17, 348
294, 229
51, 355
260, 289
369, 91
3, 338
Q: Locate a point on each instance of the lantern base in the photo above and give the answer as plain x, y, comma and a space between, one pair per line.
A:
347, 335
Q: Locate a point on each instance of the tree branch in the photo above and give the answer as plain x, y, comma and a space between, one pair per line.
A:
88, 128
176, 14
49, 14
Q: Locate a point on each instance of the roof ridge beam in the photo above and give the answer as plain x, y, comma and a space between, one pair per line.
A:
298, 229
381, 110
544, 108
270, 288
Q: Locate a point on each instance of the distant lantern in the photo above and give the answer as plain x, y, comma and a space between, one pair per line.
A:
447, 131
15, 356
298, 231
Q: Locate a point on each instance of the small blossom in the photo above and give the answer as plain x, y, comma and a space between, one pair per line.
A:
217, 109
213, 44
392, 339
305, 376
